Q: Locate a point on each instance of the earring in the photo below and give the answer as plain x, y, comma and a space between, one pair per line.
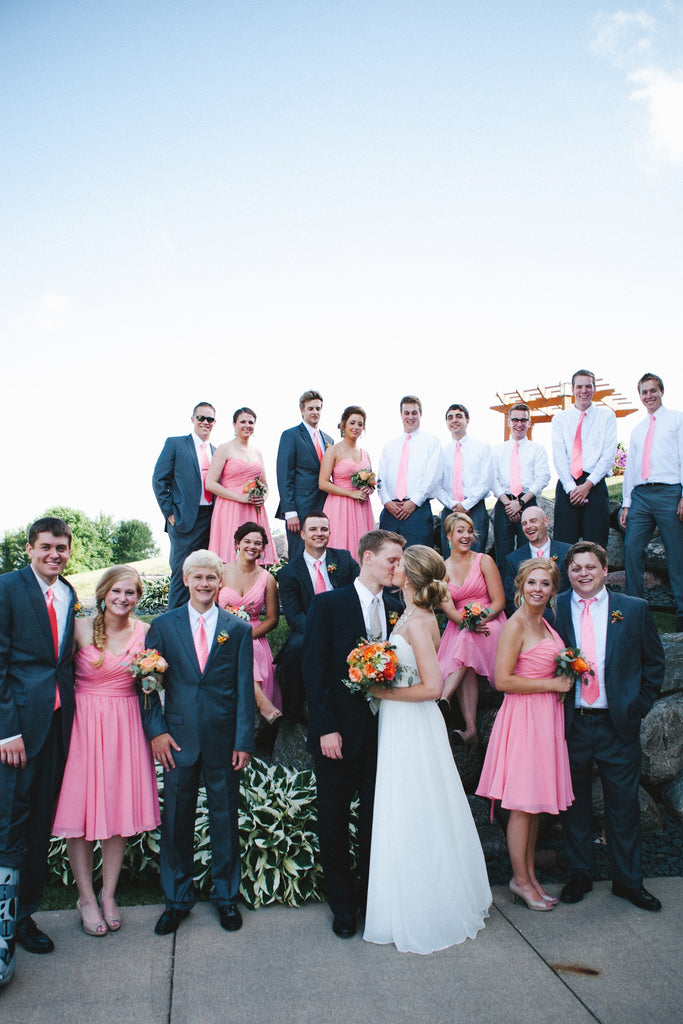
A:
102, 605
551, 602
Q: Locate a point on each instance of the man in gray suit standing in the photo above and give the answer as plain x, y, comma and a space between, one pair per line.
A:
206, 728
36, 712
179, 487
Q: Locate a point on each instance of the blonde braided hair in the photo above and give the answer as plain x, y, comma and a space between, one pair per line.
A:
107, 580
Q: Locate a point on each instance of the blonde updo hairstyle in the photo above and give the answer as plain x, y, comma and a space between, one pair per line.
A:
426, 571
107, 580
525, 570
457, 517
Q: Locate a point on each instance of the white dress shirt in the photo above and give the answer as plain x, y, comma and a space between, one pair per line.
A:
667, 452
598, 443
424, 468
542, 552
210, 622
599, 612
366, 598
477, 473
310, 563
533, 460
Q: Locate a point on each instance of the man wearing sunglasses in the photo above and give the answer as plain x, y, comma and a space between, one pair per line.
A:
179, 487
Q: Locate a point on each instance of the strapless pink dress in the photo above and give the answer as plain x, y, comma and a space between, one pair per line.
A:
110, 786
228, 514
526, 765
253, 601
461, 647
349, 519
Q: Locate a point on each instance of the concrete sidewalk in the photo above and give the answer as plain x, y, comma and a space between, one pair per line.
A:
601, 960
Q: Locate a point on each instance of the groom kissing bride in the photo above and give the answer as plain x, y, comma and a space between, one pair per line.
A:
342, 728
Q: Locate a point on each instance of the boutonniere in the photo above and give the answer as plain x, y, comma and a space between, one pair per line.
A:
222, 637
617, 616
331, 567
553, 558
393, 618
79, 610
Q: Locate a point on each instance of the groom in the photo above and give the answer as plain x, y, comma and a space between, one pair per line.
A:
342, 733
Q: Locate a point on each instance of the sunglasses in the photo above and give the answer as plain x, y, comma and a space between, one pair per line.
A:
208, 419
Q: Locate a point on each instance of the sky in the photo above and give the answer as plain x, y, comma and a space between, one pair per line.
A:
238, 201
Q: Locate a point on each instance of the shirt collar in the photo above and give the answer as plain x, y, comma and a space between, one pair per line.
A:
601, 596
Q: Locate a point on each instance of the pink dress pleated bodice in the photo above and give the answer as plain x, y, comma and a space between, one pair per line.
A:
527, 765
229, 514
461, 647
349, 519
253, 602
109, 785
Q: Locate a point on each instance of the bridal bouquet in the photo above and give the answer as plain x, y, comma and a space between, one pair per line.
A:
371, 663
573, 663
148, 669
364, 478
472, 614
255, 488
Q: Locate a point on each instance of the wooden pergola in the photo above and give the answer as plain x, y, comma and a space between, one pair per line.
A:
544, 402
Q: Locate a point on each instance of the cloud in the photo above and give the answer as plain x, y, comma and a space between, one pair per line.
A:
662, 94
52, 313
624, 37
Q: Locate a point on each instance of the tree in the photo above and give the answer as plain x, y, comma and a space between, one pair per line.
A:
13, 551
91, 547
132, 541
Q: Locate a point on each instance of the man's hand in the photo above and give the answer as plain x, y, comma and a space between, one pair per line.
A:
623, 516
240, 759
171, 520
680, 510
331, 745
13, 753
294, 525
162, 747
395, 509
514, 510
408, 508
579, 496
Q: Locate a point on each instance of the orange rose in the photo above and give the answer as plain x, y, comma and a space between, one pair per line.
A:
354, 675
580, 665
475, 609
148, 664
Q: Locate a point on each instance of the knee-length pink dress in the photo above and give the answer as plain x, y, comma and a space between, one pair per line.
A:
110, 786
349, 519
253, 602
461, 647
527, 765
229, 514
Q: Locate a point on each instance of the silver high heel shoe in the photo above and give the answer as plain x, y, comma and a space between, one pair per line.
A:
517, 894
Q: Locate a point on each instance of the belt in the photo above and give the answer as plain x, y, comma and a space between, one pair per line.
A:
591, 711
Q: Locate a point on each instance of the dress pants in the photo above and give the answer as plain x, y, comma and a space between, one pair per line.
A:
587, 522
181, 786
591, 737
479, 516
295, 544
27, 801
417, 529
291, 678
654, 505
182, 545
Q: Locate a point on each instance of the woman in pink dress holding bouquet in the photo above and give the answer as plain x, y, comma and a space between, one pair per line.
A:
109, 789
527, 764
474, 581
237, 477
346, 475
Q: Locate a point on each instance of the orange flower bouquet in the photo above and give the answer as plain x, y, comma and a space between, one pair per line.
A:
472, 614
148, 668
255, 488
371, 663
364, 478
571, 662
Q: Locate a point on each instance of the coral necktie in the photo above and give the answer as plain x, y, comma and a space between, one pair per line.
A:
515, 470
318, 446
402, 478
52, 616
576, 468
646, 464
320, 587
591, 688
205, 465
458, 495
201, 644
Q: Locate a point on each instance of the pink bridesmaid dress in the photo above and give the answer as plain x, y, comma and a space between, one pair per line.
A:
110, 786
462, 647
526, 765
229, 514
349, 519
253, 602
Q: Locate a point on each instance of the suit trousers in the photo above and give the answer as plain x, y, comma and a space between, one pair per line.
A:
181, 788
28, 797
182, 545
589, 521
592, 737
291, 678
337, 783
417, 529
479, 516
654, 505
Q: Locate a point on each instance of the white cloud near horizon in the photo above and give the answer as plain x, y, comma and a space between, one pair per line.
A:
662, 94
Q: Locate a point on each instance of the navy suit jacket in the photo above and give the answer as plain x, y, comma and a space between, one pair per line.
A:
513, 561
634, 661
296, 588
211, 713
298, 470
29, 670
177, 482
334, 625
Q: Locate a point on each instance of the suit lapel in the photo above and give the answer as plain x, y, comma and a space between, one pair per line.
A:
40, 609
187, 640
221, 623
331, 565
566, 607
192, 455
308, 441
612, 605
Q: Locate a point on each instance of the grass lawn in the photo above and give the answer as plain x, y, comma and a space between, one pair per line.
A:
84, 583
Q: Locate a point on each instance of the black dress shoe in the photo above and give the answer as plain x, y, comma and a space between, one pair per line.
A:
576, 888
230, 917
638, 897
169, 921
31, 938
344, 925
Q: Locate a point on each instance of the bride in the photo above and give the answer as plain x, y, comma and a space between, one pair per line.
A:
428, 887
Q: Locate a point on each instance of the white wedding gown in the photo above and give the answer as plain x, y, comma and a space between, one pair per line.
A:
428, 887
